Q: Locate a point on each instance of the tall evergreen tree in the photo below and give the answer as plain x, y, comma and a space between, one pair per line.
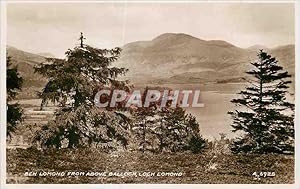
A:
166, 128
73, 84
181, 131
13, 85
145, 120
266, 117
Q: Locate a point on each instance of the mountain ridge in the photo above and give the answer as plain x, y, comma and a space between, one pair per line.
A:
171, 58
164, 56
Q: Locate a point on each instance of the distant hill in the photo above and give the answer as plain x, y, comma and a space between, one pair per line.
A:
181, 58
25, 62
171, 58
22, 56
170, 54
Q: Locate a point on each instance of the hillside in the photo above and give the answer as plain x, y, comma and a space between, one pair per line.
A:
25, 63
170, 59
181, 58
169, 55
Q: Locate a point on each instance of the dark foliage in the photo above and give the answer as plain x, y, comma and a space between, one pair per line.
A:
13, 85
73, 83
266, 117
196, 144
159, 129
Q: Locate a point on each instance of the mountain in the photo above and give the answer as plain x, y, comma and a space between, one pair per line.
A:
171, 59
22, 56
25, 62
181, 58
173, 54
286, 57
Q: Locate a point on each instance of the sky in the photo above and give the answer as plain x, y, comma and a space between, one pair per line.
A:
55, 27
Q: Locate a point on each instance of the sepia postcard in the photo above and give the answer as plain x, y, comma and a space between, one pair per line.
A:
152, 94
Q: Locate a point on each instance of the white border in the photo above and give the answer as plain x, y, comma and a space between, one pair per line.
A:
3, 184
3, 94
297, 102
150, 1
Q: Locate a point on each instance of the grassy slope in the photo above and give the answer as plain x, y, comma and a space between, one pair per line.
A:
230, 168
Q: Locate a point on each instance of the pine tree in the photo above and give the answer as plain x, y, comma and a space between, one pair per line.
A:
13, 85
182, 131
266, 118
166, 128
73, 83
143, 124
